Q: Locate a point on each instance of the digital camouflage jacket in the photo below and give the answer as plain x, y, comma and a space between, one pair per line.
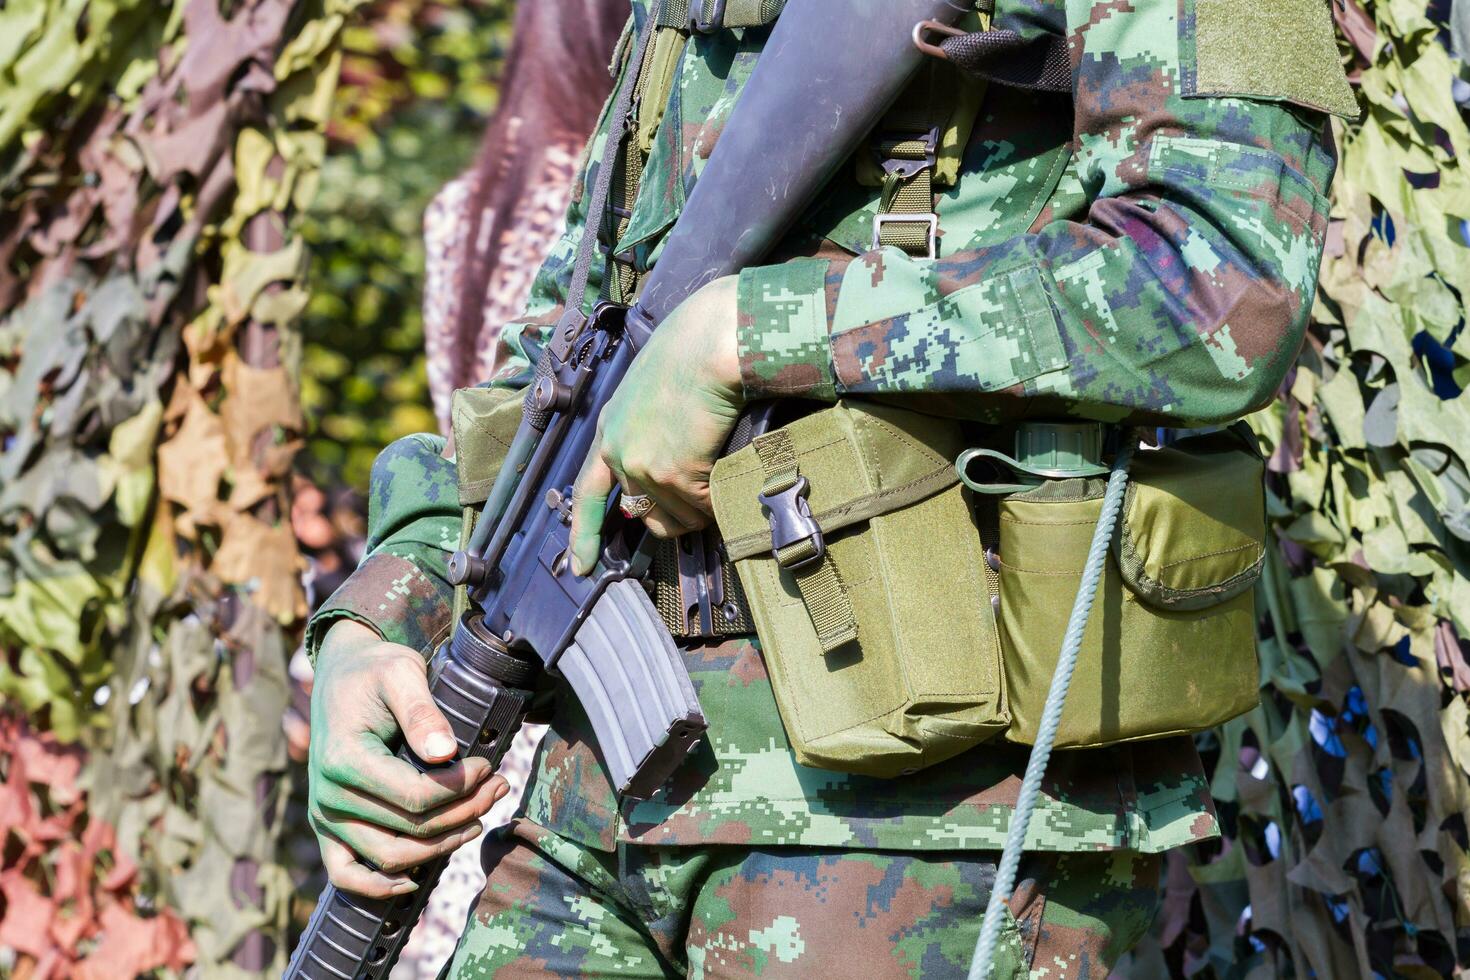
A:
1144, 250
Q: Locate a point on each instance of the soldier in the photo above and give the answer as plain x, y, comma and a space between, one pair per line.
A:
1143, 248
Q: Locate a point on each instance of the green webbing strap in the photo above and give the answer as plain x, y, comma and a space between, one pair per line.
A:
809, 562
904, 196
737, 13
630, 174
907, 147
623, 277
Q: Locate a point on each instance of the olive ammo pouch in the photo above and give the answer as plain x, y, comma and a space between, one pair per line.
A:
905, 618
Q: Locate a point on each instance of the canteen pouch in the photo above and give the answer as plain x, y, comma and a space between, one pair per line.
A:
1170, 645
881, 643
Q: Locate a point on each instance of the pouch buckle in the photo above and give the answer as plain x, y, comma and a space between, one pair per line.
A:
792, 523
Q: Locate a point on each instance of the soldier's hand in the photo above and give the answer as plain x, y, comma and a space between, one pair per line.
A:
376, 816
664, 427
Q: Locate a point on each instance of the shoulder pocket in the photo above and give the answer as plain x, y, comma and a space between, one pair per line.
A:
1279, 51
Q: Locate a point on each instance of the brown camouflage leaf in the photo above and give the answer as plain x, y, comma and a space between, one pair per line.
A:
192, 462
266, 561
1358, 28
255, 399
262, 419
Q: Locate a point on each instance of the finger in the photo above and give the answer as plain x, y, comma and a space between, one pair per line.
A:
384, 776
350, 875
667, 493
337, 803
671, 516
589, 506
391, 853
661, 525
425, 728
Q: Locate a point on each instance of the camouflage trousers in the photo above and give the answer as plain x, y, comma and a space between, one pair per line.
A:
553, 908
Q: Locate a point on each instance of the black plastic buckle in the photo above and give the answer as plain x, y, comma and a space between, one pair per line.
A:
792, 522
698, 24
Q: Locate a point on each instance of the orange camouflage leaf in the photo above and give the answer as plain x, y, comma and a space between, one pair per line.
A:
264, 558
191, 464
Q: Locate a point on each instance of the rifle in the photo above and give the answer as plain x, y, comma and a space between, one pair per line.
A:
826, 75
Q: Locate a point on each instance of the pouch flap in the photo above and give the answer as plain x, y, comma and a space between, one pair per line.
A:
1281, 50
859, 459
485, 422
1193, 530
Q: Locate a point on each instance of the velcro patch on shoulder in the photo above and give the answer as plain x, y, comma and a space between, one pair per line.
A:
1277, 50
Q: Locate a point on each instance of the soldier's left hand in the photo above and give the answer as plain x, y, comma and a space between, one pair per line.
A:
666, 425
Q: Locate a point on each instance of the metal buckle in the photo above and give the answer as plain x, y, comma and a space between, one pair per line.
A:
905, 168
933, 50
698, 24
792, 522
932, 220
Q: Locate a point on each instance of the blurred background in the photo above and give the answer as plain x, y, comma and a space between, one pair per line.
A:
213, 262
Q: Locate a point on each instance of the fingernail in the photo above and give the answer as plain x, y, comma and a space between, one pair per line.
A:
438, 744
483, 775
501, 791
404, 887
471, 834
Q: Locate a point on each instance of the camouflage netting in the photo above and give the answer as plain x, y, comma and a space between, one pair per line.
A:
1344, 795
153, 156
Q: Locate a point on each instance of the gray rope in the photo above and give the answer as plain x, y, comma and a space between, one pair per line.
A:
1051, 715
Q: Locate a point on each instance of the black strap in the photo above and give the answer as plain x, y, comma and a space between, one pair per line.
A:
1039, 63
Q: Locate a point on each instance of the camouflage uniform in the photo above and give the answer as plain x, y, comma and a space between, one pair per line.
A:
1146, 251
557, 908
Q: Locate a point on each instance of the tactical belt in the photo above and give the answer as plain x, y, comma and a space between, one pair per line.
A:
696, 589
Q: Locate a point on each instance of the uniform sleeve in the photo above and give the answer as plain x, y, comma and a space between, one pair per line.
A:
1178, 295
400, 590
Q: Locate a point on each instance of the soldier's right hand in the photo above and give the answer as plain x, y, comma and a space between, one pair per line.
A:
376, 816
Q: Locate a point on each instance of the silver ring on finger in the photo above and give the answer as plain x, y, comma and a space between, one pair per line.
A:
635, 506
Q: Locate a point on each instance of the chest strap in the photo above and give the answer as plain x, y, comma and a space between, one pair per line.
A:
797, 542
917, 150
906, 217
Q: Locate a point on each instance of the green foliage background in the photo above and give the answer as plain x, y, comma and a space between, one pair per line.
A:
419, 83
